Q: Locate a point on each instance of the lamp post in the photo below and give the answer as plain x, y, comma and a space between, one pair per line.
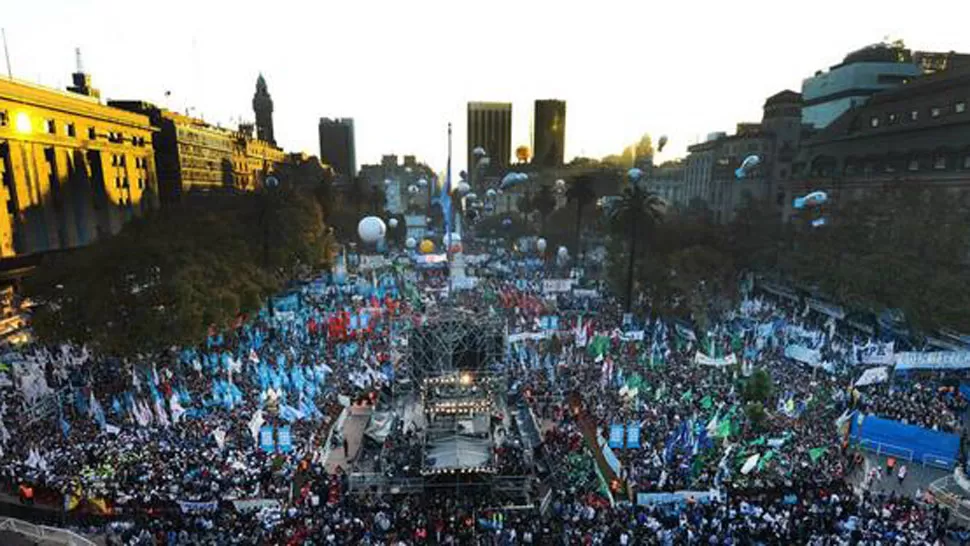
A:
269, 193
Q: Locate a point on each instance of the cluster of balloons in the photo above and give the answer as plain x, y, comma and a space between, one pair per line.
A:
747, 166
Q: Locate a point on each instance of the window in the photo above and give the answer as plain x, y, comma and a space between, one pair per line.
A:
69, 127
117, 181
935, 112
121, 160
3, 118
914, 115
51, 126
141, 183
874, 121
939, 162
92, 134
892, 118
913, 165
114, 160
960, 107
966, 161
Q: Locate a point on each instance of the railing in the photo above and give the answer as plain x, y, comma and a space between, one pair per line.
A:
361, 482
880, 448
945, 463
43, 533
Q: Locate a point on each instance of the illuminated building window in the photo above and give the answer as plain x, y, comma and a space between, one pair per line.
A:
874, 121
51, 126
913, 165
892, 118
960, 107
939, 162
914, 115
934, 112
69, 127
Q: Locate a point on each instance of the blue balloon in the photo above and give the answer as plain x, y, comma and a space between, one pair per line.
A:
818, 222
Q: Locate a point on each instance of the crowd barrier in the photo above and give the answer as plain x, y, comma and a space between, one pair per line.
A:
909, 442
43, 533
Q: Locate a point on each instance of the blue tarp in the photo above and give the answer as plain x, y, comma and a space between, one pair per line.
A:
905, 441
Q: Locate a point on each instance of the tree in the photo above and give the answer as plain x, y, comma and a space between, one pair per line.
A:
705, 279
759, 387
581, 193
167, 278
636, 209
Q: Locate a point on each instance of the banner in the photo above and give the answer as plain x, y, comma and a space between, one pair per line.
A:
550, 286
937, 360
524, 336
266, 439
616, 436
192, 507
549, 322
586, 293
464, 283
253, 505
873, 376
802, 353
633, 435
373, 261
284, 439
608, 454
636, 335
680, 497
704, 360
878, 353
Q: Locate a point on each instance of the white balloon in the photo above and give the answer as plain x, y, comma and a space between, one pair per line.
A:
478, 151
422, 183
411, 242
563, 252
454, 238
463, 187
560, 183
522, 177
388, 181
471, 196
371, 229
392, 222
490, 193
634, 173
541, 244
412, 189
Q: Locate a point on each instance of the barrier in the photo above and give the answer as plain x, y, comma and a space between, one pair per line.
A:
43, 533
910, 442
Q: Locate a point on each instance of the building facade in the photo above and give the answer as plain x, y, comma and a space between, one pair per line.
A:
709, 172
490, 127
549, 133
915, 134
263, 108
397, 178
862, 73
667, 182
73, 169
337, 147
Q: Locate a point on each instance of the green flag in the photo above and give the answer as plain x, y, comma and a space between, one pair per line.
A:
816, 453
688, 396
759, 442
765, 458
707, 402
724, 428
635, 381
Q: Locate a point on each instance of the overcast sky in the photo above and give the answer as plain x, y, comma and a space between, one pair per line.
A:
404, 68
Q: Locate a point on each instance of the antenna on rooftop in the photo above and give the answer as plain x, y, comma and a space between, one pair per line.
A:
77, 57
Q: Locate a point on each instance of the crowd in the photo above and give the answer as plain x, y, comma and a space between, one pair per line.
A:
226, 442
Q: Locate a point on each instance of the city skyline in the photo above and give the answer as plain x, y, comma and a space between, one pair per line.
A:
675, 74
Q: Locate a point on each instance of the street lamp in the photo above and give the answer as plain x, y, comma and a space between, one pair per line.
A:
269, 186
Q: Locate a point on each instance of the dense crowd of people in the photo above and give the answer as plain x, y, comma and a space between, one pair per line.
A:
227, 442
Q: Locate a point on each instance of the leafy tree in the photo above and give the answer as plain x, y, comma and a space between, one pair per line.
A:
755, 412
543, 202
759, 387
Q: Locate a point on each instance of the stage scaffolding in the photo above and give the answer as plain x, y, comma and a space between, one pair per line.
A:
454, 339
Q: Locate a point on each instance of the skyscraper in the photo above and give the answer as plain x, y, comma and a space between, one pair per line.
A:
549, 138
337, 146
490, 126
263, 107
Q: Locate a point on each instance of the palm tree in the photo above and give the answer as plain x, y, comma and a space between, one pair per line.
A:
637, 207
544, 202
581, 192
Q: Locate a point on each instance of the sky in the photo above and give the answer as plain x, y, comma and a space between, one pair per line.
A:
404, 69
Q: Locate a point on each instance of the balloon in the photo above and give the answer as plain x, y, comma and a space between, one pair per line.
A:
813, 199
541, 244
818, 222
478, 151
634, 173
560, 183
563, 252
749, 163
422, 183
392, 222
411, 242
484, 162
471, 196
451, 238
490, 193
371, 229
463, 187
507, 222
388, 181
463, 175
412, 189
427, 247
661, 143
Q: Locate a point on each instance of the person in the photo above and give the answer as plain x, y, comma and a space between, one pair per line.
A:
346, 448
902, 474
26, 494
